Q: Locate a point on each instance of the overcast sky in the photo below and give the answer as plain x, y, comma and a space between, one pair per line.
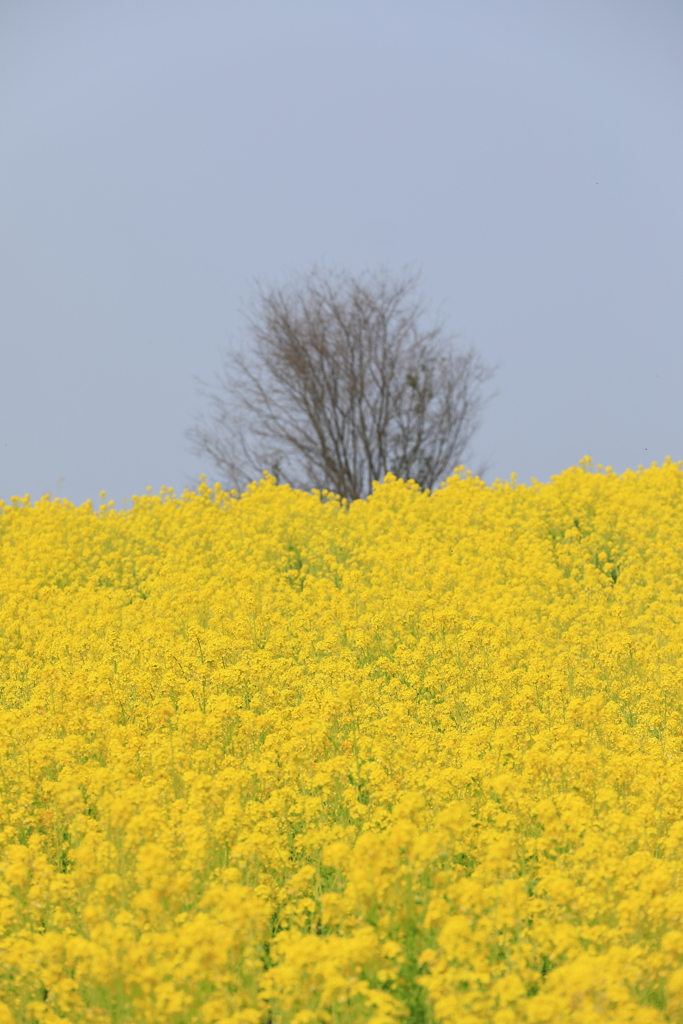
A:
156, 157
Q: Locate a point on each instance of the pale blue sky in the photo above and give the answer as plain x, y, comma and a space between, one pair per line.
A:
157, 156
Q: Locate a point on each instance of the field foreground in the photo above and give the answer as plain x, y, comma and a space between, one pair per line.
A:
276, 759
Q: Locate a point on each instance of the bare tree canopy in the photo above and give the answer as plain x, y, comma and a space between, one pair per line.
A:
342, 385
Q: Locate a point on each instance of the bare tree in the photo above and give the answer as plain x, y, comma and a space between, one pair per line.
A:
342, 385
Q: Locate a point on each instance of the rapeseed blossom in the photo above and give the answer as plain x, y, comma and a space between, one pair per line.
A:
277, 758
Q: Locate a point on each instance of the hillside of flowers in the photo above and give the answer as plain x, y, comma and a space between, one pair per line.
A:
277, 759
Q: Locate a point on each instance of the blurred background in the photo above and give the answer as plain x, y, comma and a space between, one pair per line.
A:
159, 156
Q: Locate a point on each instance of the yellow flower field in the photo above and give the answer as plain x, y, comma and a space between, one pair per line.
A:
276, 759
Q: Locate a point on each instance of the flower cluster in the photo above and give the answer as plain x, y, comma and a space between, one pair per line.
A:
278, 758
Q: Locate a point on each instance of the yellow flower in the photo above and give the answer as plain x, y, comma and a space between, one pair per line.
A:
281, 757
